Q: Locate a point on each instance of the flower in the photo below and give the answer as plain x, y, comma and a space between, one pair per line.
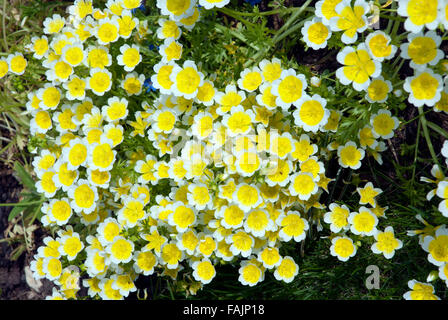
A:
379, 46
250, 79
130, 57
289, 89
311, 113
303, 185
287, 270
419, 14
168, 29
422, 49
53, 24
315, 34
100, 81
171, 50
368, 194
383, 124
350, 19
209, 4
349, 156
424, 88
291, 225
175, 9
204, 271
107, 30
343, 248
437, 246
337, 217
16, 63
358, 67
363, 222
326, 10
250, 274
186, 80
378, 90
386, 243
420, 291
120, 250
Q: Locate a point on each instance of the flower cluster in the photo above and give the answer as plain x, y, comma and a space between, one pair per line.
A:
159, 167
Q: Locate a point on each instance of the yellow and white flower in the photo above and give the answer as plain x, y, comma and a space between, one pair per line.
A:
378, 90
437, 246
419, 14
40, 122
76, 153
343, 248
358, 67
83, 196
168, 29
287, 270
315, 33
170, 50
54, 24
133, 83
203, 271
363, 222
420, 291
292, 226
176, 9
120, 250
379, 46
311, 113
210, 4
107, 30
130, 57
250, 273
425, 88
422, 49
132, 212
250, 79
337, 217
326, 9
386, 243
303, 185
98, 57
238, 121
289, 89
161, 79
383, 124
350, 19
186, 80
182, 216
350, 156
100, 81
145, 261
247, 196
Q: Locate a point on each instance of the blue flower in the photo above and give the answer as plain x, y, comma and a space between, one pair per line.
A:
152, 47
148, 85
253, 2
141, 8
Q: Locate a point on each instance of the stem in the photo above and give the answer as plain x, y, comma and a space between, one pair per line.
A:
230, 13
275, 39
257, 14
236, 35
427, 137
3, 26
20, 204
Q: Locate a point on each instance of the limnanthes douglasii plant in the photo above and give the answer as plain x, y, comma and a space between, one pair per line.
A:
168, 141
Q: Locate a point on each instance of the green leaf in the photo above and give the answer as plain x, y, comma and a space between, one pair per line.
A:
14, 212
24, 177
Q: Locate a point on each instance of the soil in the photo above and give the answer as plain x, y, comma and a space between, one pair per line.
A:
13, 284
